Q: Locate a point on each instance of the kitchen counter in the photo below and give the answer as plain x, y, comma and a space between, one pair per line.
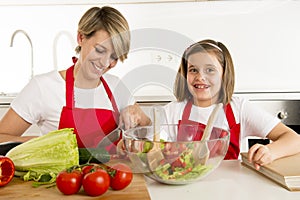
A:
231, 181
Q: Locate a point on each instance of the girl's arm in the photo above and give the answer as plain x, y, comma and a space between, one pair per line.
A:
285, 142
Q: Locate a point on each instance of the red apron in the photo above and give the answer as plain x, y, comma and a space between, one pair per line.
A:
234, 128
90, 124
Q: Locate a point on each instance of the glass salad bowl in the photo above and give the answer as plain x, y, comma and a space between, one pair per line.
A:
175, 154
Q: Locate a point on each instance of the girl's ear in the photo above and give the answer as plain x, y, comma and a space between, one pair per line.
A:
79, 38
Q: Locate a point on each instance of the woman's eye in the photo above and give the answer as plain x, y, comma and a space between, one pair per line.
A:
114, 57
99, 50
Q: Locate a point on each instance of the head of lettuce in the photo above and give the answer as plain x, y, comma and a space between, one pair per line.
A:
42, 158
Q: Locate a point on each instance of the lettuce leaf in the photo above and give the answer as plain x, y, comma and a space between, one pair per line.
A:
46, 155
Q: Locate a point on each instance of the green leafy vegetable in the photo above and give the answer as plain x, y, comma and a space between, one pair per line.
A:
93, 155
42, 158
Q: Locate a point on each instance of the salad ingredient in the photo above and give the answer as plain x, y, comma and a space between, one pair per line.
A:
179, 163
69, 181
88, 168
95, 155
120, 176
45, 156
7, 170
96, 183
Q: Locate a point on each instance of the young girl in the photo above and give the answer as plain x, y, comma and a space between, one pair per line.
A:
205, 78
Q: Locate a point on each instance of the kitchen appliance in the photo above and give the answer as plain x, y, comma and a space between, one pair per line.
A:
288, 111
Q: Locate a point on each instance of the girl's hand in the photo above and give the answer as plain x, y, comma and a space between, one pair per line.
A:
259, 155
132, 116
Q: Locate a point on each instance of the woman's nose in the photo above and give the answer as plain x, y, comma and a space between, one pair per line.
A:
105, 61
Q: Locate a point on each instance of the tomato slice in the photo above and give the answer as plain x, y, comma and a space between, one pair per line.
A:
7, 170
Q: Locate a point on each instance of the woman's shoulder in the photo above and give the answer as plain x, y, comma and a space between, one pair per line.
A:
53, 75
110, 77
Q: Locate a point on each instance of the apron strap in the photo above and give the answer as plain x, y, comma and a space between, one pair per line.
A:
187, 111
230, 116
111, 97
228, 111
69, 88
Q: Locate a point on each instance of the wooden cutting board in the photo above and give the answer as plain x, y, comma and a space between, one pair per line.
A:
19, 189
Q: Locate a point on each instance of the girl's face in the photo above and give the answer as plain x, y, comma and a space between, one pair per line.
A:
97, 54
204, 78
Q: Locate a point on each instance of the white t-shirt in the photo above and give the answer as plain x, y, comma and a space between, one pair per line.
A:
254, 121
42, 99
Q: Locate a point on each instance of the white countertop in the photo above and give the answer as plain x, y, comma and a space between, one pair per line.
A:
230, 181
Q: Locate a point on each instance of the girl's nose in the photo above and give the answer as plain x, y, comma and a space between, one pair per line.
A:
200, 76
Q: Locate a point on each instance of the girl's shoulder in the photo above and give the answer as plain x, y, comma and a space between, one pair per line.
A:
237, 102
176, 104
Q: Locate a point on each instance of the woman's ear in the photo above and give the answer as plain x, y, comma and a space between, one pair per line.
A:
79, 38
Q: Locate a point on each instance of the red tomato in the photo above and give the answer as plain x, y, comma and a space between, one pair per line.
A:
86, 169
96, 182
69, 182
7, 170
120, 176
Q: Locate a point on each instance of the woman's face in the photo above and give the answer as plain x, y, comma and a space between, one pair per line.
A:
97, 54
204, 78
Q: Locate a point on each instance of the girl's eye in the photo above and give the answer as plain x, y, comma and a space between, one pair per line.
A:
210, 70
193, 70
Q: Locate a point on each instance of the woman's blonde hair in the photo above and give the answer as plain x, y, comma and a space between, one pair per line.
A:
181, 90
108, 19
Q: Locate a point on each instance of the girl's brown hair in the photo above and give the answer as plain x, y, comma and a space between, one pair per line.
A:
108, 19
181, 90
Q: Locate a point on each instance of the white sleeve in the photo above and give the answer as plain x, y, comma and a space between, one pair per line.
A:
28, 103
173, 112
255, 121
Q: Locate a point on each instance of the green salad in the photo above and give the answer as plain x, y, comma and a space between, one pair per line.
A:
181, 168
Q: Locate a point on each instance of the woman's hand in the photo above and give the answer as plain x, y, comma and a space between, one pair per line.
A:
260, 155
133, 116
121, 150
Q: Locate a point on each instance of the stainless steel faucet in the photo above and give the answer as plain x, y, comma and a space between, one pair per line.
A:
31, 47
61, 33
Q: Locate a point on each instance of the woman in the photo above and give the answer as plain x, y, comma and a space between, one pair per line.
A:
205, 78
84, 96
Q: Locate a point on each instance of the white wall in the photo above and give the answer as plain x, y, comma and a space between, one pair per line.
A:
263, 37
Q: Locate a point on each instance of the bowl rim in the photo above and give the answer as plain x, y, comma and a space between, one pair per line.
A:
125, 134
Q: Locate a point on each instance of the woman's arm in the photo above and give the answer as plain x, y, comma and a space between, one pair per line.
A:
285, 142
12, 126
133, 116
